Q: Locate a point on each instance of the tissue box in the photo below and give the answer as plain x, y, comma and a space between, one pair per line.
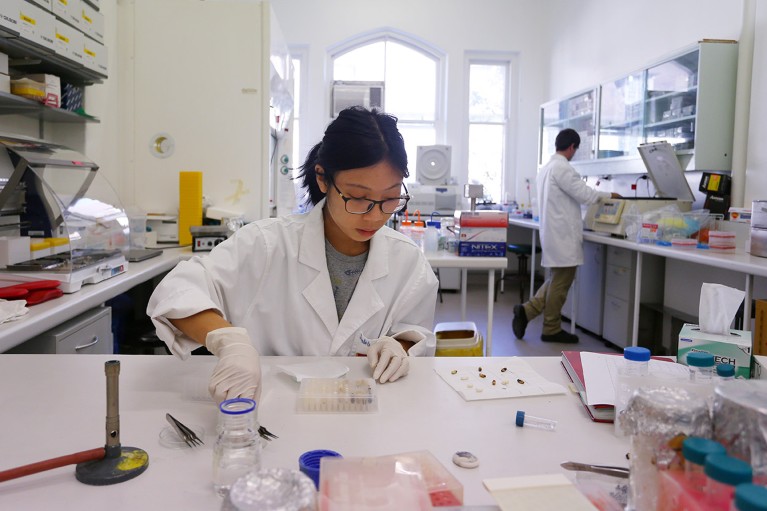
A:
732, 349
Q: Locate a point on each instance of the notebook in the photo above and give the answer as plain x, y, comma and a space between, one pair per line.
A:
605, 412
571, 361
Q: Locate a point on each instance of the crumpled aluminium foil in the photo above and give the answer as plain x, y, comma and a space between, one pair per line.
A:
656, 419
271, 489
740, 421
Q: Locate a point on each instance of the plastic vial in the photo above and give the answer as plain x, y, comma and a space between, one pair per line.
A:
725, 372
723, 474
750, 497
431, 236
701, 366
238, 446
529, 421
637, 361
695, 450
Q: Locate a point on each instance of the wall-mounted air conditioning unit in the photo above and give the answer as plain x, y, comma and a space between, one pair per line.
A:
346, 94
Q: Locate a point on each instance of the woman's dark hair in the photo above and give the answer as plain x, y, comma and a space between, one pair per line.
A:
566, 138
355, 139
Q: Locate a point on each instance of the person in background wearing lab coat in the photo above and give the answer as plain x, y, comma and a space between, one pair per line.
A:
333, 281
561, 191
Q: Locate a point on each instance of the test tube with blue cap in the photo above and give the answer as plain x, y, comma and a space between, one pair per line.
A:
530, 421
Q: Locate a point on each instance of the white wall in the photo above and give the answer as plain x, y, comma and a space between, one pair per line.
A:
454, 26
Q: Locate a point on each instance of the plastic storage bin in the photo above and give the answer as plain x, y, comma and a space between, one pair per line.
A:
458, 339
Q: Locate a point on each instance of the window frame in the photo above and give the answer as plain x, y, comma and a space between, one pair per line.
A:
509, 166
387, 34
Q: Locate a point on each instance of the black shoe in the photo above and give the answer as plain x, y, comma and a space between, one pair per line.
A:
561, 336
519, 323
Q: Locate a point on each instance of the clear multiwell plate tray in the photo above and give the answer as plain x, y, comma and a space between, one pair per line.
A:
337, 395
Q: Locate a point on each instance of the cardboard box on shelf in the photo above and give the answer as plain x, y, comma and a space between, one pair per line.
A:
69, 42
41, 87
36, 24
94, 55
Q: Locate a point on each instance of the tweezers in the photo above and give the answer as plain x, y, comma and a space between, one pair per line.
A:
187, 435
597, 469
266, 434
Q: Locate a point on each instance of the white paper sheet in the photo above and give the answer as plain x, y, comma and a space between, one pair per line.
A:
550, 492
600, 375
507, 375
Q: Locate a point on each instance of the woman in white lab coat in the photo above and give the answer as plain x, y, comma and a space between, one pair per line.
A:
334, 281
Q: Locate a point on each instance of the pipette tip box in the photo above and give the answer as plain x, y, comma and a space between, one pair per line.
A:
337, 395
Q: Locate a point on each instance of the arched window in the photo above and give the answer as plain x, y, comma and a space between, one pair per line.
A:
413, 75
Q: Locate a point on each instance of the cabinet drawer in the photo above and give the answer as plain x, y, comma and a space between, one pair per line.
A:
618, 281
90, 332
620, 257
90, 335
616, 325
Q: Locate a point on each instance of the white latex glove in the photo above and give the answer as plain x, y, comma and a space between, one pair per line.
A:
238, 371
388, 359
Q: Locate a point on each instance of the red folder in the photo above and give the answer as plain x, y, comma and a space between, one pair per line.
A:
571, 361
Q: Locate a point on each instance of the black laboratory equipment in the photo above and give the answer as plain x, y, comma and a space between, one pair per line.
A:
717, 190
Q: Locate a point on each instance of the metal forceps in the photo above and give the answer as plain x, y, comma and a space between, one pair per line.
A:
266, 434
187, 435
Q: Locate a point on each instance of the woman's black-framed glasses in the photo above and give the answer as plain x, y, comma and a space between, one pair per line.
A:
362, 206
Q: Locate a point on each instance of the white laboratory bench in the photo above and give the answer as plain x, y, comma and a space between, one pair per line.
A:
46, 315
55, 405
739, 261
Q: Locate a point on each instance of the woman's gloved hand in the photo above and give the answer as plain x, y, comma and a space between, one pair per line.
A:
388, 359
238, 371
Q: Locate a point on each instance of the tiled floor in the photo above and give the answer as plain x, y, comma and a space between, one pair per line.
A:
504, 342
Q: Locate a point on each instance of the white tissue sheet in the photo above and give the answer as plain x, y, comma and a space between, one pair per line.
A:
718, 306
12, 309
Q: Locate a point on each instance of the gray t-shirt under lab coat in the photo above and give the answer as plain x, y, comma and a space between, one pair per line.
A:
344, 272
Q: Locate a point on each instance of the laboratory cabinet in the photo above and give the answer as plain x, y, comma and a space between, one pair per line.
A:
619, 289
577, 112
589, 286
88, 333
687, 99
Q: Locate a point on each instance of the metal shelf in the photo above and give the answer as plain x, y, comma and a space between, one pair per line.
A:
29, 57
16, 105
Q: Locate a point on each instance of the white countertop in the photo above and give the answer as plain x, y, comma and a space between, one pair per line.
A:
54, 405
739, 260
46, 315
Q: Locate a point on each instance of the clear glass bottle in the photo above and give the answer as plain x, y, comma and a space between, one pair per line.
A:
637, 361
750, 497
725, 372
238, 447
701, 366
723, 474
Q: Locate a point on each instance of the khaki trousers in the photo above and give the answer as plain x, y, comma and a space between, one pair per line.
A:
550, 298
